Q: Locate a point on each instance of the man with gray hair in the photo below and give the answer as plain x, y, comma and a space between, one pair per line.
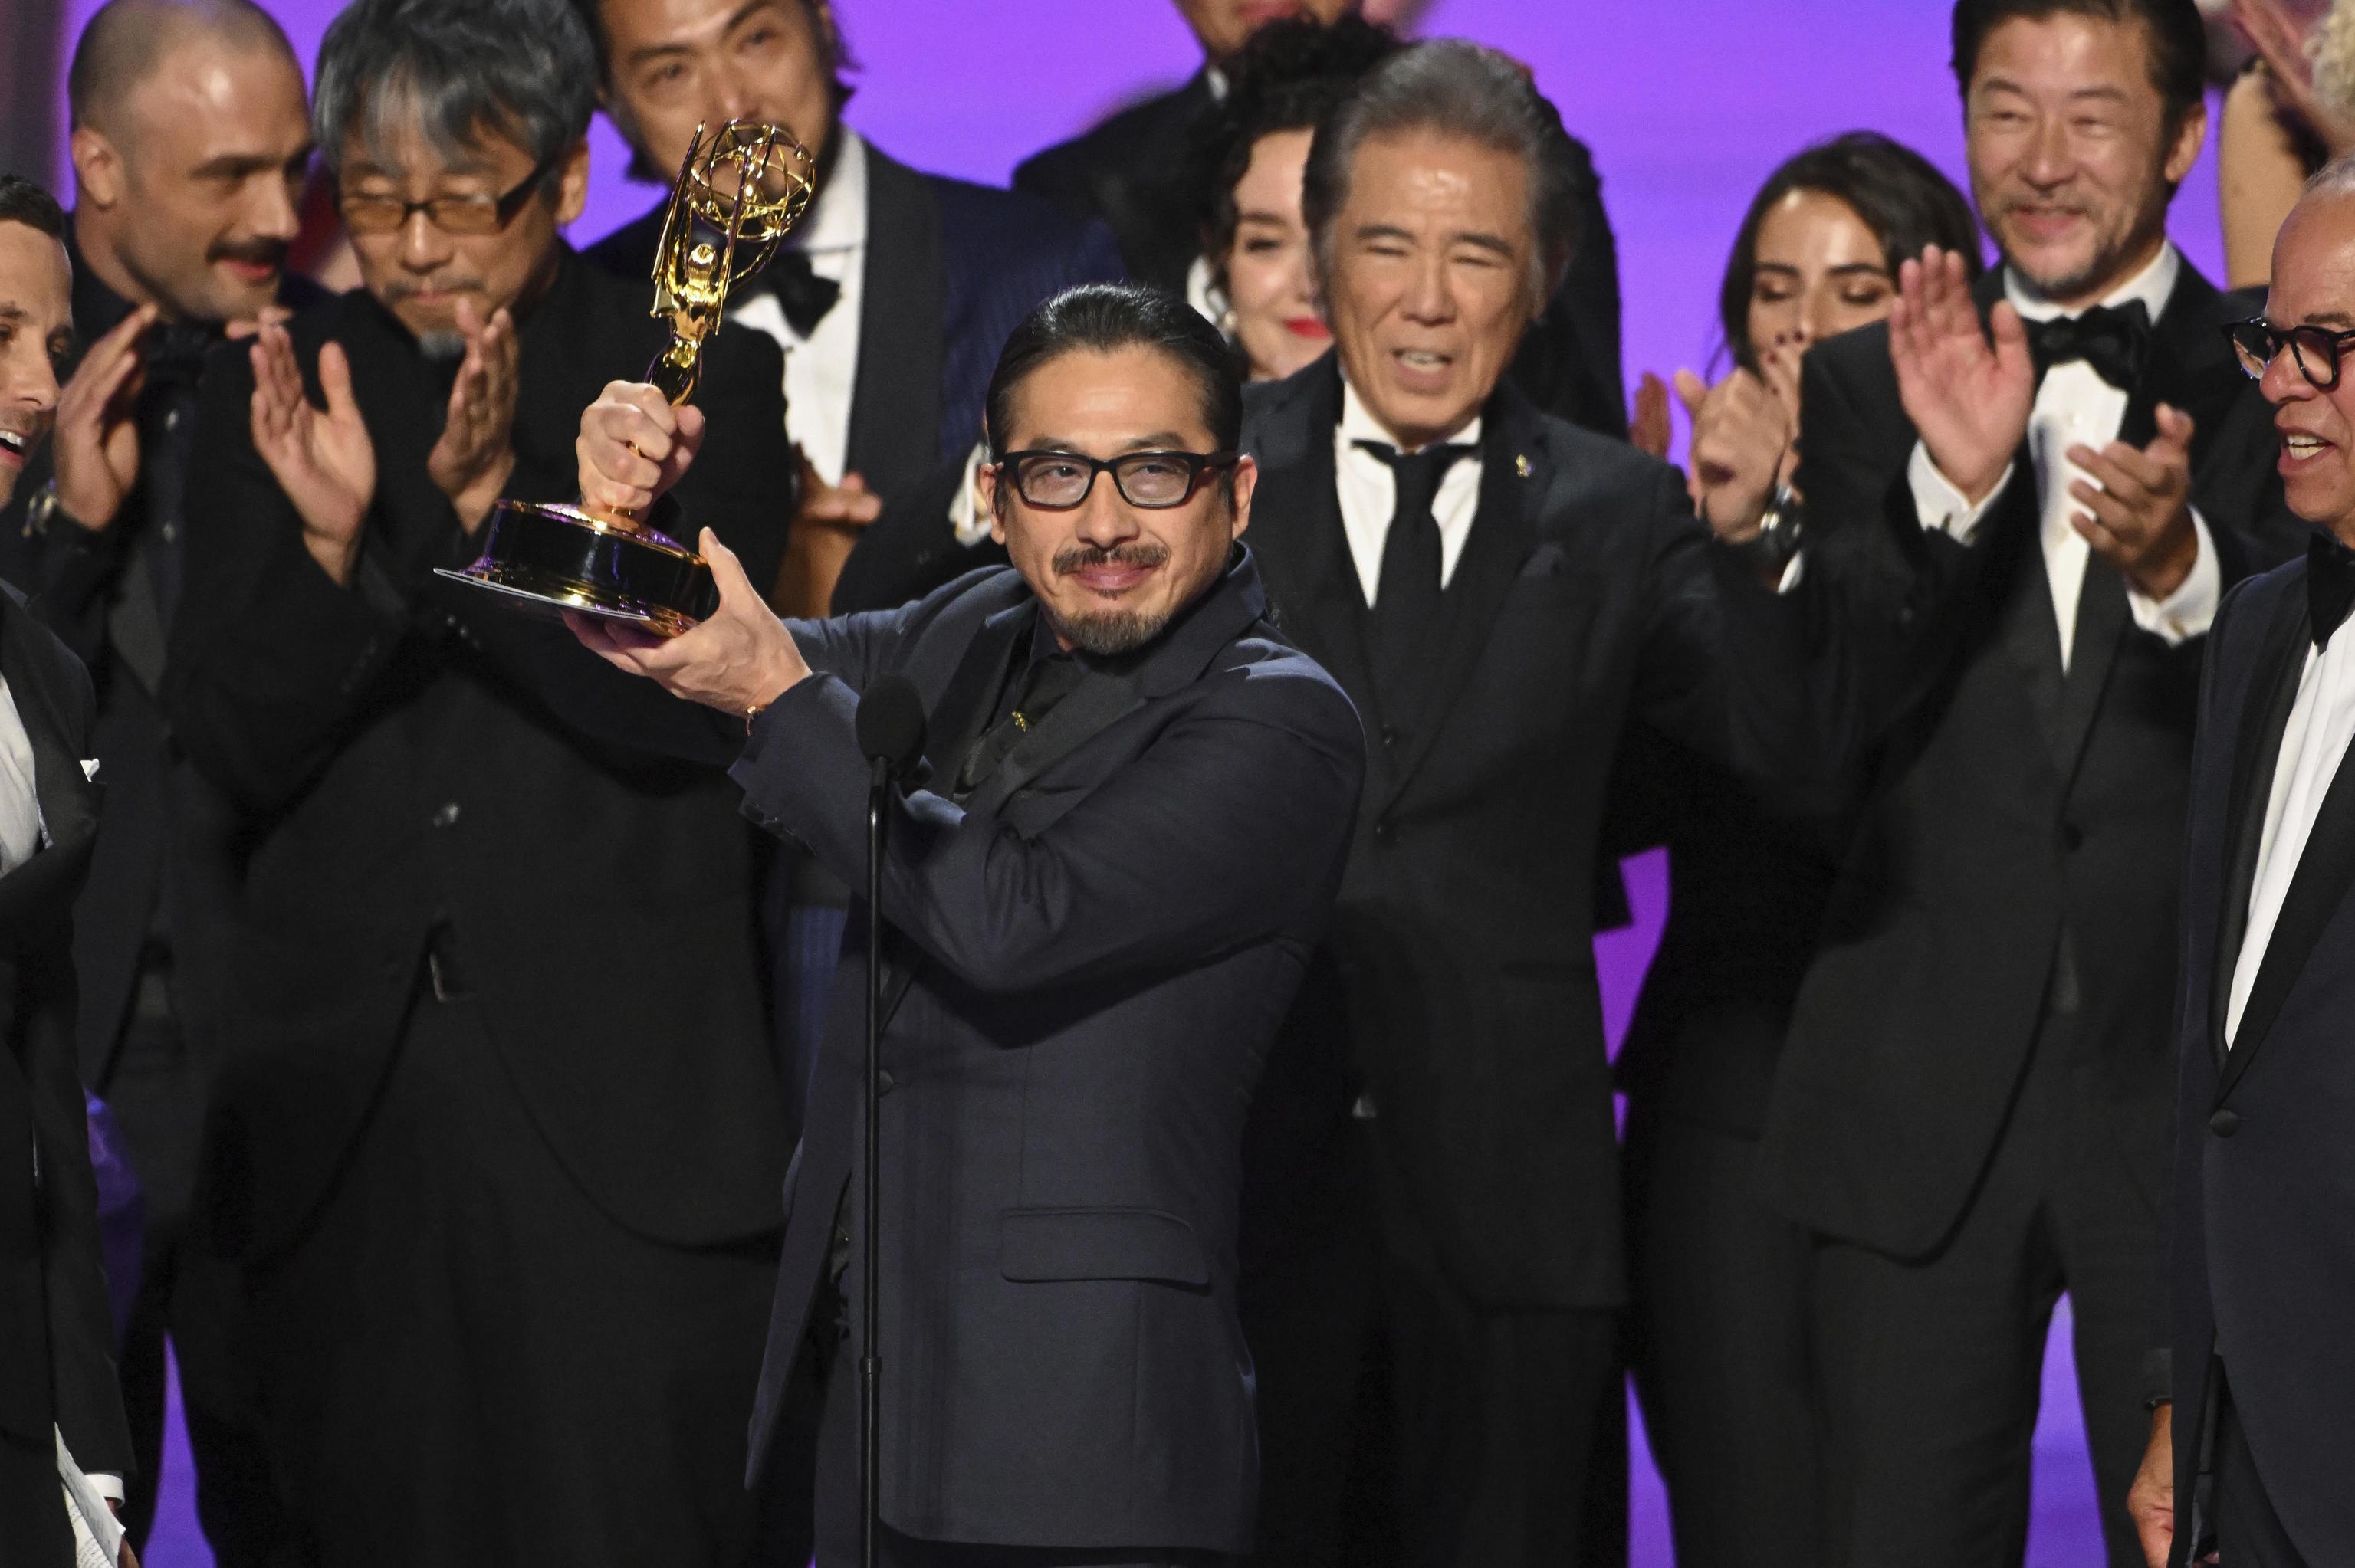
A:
495, 1134
1499, 592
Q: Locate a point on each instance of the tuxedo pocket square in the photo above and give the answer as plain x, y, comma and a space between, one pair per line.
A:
89, 769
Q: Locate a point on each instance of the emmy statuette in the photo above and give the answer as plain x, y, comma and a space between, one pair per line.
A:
739, 190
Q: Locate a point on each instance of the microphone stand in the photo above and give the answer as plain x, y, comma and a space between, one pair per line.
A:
871, 1364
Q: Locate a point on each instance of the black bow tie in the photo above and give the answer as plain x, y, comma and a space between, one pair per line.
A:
2113, 339
802, 294
2329, 586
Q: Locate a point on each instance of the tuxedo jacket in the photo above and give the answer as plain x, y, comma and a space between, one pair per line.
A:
1586, 596
1130, 172
951, 270
400, 784
57, 1335
1088, 959
155, 870
2018, 831
2263, 1263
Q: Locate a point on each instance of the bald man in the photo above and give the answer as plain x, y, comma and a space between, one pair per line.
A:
190, 142
2260, 1402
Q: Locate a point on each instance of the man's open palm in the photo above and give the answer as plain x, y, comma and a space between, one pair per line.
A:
1968, 391
323, 458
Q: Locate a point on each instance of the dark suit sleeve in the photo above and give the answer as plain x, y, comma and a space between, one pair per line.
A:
1225, 830
272, 663
81, 1323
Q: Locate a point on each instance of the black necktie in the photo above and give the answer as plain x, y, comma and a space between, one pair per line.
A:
2113, 339
1043, 685
1406, 596
2329, 586
803, 295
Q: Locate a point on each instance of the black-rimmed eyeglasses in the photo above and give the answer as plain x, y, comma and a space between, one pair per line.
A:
2318, 350
1057, 482
450, 214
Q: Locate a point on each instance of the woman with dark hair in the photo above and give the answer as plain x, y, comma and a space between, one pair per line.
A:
1720, 1282
1255, 277
1817, 255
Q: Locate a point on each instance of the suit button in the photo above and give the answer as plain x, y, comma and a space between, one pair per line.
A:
1384, 832
885, 1083
447, 815
2071, 838
2225, 1123
1390, 736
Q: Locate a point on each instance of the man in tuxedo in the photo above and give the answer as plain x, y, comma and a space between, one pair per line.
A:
1101, 891
1498, 591
496, 1132
2030, 496
893, 294
2251, 1427
191, 141
58, 1390
1128, 171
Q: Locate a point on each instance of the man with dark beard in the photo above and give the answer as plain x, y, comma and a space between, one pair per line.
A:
1972, 1111
190, 142
496, 1130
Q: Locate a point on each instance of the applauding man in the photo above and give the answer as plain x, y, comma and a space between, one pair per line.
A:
496, 1130
2037, 490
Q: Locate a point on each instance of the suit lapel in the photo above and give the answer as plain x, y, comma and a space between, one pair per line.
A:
2265, 716
1297, 536
895, 396
2101, 620
1516, 470
36, 891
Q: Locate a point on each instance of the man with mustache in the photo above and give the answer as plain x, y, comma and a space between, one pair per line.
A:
190, 143
1101, 891
60, 1410
2032, 495
496, 1136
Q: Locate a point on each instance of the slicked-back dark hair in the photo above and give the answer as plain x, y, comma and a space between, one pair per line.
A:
22, 201
522, 68
2177, 39
1105, 318
1898, 193
1291, 74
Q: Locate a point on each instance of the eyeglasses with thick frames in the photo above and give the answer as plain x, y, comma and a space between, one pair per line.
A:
1152, 480
450, 214
2318, 350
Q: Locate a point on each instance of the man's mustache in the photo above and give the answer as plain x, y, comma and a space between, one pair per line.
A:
395, 289
270, 253
1142, 552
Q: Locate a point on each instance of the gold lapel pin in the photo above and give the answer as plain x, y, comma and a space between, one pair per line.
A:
1521, 465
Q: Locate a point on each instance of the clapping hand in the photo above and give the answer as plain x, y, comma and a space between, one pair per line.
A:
634, 446
2137, 512
1968, 391
738, 661
322, 458
97, 433
472, 461
1742, 445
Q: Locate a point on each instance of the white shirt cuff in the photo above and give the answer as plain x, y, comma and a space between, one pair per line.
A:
1939, 504
2189, 610
106, 1484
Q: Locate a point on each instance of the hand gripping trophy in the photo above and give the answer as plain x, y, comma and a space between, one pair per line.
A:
738, 191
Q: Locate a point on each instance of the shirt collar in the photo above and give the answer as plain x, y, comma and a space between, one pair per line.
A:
2153, 286
1358, 424
837, 218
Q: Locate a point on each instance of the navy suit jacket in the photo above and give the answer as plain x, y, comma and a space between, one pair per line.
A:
1091, 955
2265, 1170
952, 268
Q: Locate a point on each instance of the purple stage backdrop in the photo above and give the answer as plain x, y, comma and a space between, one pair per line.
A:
1687, 108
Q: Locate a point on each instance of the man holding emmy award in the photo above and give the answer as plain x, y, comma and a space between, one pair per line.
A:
1100, 889
495, 1137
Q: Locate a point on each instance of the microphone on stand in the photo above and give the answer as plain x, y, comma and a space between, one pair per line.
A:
890, 729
